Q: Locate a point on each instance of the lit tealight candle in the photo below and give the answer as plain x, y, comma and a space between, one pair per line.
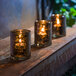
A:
20, 44
20, 36
58, 25
20, 40
42, 33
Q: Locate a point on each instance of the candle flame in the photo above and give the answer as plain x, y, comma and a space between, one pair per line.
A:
20, 40
43, 21
42, 31
57, 22
20, 31
20, 36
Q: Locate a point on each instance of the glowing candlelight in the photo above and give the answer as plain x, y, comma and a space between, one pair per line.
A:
20, 36
42, 33
42, 30
57, 24
20, 44
20, 40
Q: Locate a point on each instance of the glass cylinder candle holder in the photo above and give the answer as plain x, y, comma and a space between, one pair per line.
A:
20, 44
43, 33
58, 25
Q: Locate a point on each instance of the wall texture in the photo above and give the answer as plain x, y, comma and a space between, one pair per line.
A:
16, 14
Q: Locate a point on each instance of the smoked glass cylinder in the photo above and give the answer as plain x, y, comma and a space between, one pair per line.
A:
58, 25
43, 33
20, 44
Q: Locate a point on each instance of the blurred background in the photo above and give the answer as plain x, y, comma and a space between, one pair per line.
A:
15, 14
64, 7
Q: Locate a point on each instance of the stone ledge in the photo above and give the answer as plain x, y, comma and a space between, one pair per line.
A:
43, 62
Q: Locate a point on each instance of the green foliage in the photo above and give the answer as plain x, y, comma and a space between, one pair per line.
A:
63, 10
65, 0
73, 11
63, 7
70, 15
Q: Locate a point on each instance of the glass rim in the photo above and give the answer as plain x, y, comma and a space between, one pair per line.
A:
18, 30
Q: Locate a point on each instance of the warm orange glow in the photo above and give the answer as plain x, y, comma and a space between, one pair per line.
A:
42, 30
20, 31
43, 21
57, 15
20, 40
21, 44
17, 44
20, 36
57, 21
